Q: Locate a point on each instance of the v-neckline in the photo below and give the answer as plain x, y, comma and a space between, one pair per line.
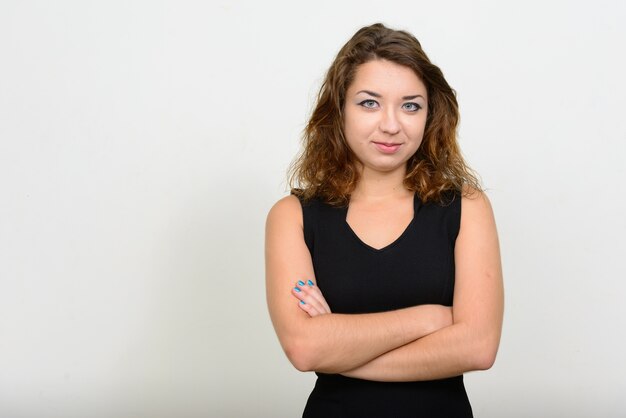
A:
392, 243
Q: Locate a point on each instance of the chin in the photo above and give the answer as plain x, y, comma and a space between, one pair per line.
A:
385, 168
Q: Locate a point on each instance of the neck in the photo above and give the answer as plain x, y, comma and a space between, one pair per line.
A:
374, 185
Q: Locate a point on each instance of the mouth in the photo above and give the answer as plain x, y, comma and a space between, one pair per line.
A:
387, 147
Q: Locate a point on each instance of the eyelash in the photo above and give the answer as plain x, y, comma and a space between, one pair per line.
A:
415, 105
367, 101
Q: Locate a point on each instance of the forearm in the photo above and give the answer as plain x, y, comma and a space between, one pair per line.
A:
335, 343
471, 342
448, 352
331, 343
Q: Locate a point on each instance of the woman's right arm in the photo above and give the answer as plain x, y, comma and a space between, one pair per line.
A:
331, 343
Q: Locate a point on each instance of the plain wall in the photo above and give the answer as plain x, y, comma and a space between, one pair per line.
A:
143, 142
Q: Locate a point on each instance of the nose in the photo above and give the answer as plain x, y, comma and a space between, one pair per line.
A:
389, 123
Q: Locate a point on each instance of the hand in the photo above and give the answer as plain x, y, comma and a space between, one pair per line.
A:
310, 298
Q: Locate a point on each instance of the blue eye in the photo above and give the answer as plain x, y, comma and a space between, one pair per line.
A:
369, 104
411, 107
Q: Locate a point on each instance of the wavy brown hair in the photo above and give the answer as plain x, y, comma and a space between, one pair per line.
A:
328, 169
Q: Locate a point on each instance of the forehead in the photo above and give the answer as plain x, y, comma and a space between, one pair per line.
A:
388, 77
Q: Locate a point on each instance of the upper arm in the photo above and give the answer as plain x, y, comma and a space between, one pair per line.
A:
287, 260
478, 292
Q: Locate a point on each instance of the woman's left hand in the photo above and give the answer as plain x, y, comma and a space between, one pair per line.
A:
310, 298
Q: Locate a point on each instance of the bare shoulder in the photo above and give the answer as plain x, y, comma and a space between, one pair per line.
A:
475, 205
287, 210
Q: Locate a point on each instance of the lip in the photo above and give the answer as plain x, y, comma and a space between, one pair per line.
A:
387, 147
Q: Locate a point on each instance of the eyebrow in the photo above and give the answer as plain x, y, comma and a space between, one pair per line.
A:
374, 94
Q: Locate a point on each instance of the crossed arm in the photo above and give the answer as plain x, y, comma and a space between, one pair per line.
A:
417, 343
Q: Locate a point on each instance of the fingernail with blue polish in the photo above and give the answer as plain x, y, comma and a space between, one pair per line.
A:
300, 282
303, 302
297, 289
310, 283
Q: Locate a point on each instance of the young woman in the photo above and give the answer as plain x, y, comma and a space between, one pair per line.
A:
383, 267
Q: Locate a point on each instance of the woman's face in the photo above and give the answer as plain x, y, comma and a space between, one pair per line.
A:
385, 115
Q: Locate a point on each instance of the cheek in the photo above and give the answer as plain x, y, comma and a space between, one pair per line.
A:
417, 129
362, 127
356, 129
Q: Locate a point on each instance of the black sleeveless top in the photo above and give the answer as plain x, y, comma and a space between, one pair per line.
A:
417, 268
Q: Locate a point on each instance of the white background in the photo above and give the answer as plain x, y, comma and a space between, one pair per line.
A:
143, 142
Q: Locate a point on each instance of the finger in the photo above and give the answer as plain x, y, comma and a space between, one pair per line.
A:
297, 293
313, 295
317, 294
309, 309
305, 293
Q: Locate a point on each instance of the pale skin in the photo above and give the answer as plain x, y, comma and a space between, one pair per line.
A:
385, 114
